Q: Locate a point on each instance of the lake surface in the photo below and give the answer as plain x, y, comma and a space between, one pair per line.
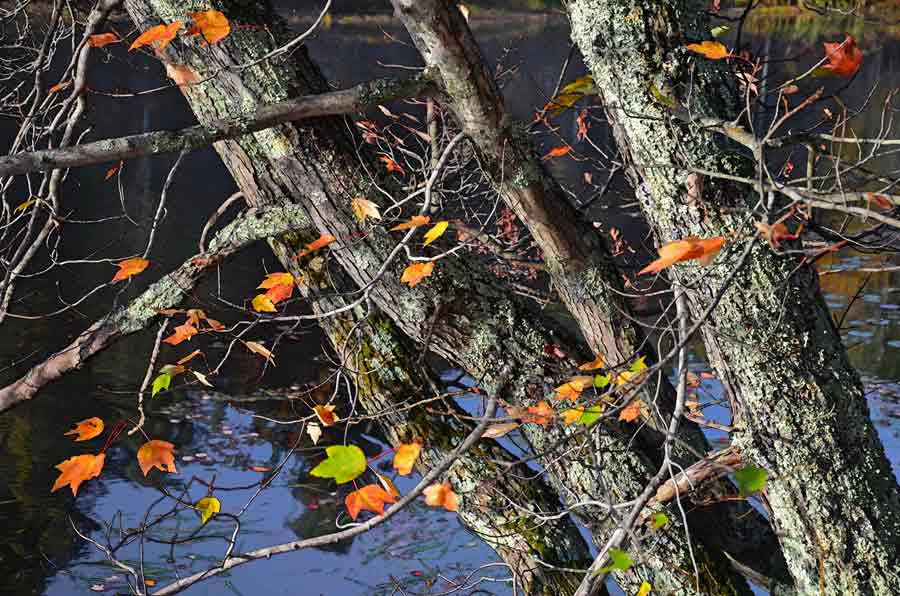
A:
421, 550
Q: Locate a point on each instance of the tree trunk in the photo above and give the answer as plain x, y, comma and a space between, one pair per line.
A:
799, 404
478, 326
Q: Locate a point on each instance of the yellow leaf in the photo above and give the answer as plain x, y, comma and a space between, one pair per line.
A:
208, 507
21, 207
714, 50
160, 35
262, 303
78, 469
415, 221
363, 208
435, 232
212, 24
130, 267
326, 415
441, 495
572, 415
369, 498
594, 364
405, 457
87, 429
416, 273
156, 454
644, 589
261, 350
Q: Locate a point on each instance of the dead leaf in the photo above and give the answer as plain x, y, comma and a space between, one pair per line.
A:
441, 495
496, 431
714, 50
314, 431
181, 333
405, 457
201, 378
682, 250
87, 429
391, 165
103, 39
159, 36
156, 454
212, 24
189, 357
594, 364
363, 208
541, 414
59, 86
323, 241
261, 350
416, 272
326, 415
181, 74
78, 469
129, 268
414, 222
369, 498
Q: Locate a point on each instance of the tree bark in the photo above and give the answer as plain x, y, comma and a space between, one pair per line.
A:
480, 327
800, 407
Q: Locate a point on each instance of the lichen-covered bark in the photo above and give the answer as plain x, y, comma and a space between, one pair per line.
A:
478, 326
801, 410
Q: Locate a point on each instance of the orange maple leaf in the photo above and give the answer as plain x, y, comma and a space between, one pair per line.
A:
103, 39
416, 272
704, 249
391, 165
279, 293
130, 267
369, 498
405, 457
182, 332
441, 495
212, 24
87, 429
276, 279
78, 469
323, 241
160, 36
156, 454
631, 412
572, 388
541, 414
844, 59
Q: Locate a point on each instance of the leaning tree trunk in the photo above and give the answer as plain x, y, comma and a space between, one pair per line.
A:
799, 404
476, 325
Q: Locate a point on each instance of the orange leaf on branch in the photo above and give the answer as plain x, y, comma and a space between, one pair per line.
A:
212, 24
262, 303
391, 165
703, 249
572, 388
130, 267
541, 414
415, 221
78, 469
369, 498
416, 272
87, 429
323, 241
181, 333
844, 59
714, 50
441, 495
405, 457
258, 348
280, 293
103, 39
558, 152
159, 36
156, 454
276, 279
326, 415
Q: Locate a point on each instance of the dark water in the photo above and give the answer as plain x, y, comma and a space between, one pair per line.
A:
423, 549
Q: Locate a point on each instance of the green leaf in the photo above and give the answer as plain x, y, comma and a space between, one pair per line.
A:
161, 383
344, 463
620, 561
638, 365
662, 98
751, 479
590, 416
583, 84
601, 381
719, 31
658, 520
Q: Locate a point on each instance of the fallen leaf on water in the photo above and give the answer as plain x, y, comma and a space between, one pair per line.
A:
703, 249
416, 272
314, 431
78, 469
212, 24
344, 463
369, 498
103, 39
160, 36
208, 507
844, 59
436, 231
262, 303
201, 378
258, 348
87, 429
415, 221
391, 165
323, 241
363, 208
558, 152
157, 454
326, 415
130, 267
714, 50
441, 495
405, 457
112, 171
161, 383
